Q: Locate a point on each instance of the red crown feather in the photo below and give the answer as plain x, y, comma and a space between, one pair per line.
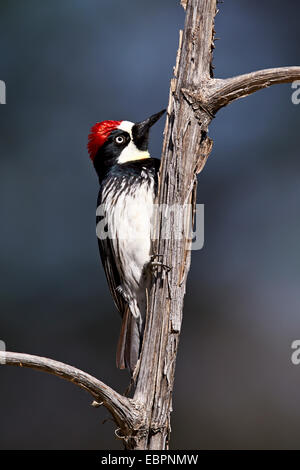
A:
99, 134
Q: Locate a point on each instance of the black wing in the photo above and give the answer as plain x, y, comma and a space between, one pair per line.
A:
126, 355
107, 255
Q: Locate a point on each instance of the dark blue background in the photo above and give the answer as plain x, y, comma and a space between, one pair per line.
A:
68, 64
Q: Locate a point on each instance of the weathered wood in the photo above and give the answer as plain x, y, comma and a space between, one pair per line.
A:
126, 414
185, 147
195, 97
220, 92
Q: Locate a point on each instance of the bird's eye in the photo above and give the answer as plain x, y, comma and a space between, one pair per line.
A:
120, 139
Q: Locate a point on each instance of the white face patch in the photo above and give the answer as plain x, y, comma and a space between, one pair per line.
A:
131, 152
126, 126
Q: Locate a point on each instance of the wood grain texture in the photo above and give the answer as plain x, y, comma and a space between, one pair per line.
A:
185, 146
221, 92
126, 414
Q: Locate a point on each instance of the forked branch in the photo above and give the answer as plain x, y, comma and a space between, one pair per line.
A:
124, 411
221, 92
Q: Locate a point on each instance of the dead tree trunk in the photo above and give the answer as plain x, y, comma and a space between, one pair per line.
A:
185, 149
195, 96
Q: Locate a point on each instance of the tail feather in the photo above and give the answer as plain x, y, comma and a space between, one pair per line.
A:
129, 343
120, 356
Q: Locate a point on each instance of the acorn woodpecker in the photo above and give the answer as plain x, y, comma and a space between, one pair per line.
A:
128, 179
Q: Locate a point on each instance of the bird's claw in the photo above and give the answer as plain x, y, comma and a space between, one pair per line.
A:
154, 265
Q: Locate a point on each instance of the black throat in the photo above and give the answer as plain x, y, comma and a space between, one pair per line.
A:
135, 171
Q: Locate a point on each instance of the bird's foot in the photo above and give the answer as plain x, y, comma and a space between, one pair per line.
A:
154, 265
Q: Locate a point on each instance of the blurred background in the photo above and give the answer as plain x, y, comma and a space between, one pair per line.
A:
68, 64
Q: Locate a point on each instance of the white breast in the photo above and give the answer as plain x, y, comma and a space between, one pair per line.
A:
129, 218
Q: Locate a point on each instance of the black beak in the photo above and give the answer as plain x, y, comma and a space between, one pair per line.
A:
140, 131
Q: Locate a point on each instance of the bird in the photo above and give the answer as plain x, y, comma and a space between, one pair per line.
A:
128, 180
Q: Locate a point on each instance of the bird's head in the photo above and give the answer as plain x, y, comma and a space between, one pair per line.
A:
117, 142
